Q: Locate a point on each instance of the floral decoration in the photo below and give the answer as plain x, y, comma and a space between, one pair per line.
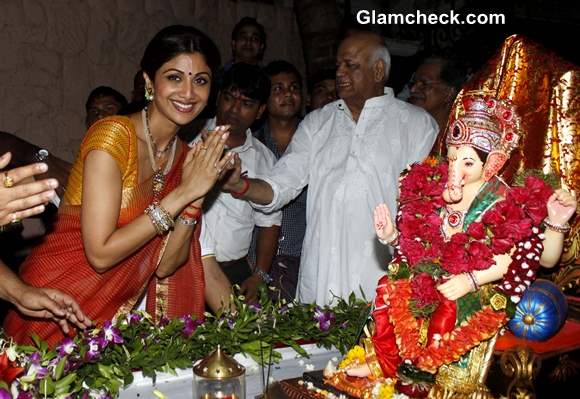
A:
424, 256
97, 363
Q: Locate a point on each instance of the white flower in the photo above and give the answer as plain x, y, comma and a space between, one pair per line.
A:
310, 367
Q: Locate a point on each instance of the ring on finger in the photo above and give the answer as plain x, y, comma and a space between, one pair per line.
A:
14, 220
8, 181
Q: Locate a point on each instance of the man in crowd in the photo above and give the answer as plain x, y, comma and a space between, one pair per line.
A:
434, 86
248, 42
102, 102
283, 116
321, 89
228, 220
350, 154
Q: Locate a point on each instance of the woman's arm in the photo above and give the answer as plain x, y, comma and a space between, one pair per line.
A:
105, 244
217, 286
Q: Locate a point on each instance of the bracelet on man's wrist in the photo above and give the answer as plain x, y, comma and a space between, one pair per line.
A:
240, 194
263, 275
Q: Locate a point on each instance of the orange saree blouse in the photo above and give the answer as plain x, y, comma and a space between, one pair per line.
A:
60, 261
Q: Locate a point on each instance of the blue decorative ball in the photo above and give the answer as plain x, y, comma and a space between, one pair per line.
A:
540, 313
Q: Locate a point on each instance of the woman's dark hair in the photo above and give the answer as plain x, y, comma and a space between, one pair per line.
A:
173, 40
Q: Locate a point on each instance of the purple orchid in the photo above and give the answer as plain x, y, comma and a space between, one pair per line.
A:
284, 309
163, 322
36, 368
66, 347
324, 319
4, 394
189, 325
255, 307
112, 334
24, 395
134, 318
96, 344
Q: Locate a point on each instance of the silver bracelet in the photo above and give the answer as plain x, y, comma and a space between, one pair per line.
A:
263, 275
189, 222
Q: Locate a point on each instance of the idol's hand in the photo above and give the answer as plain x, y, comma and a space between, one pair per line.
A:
456, 287
384, 226
359, 371
561, 206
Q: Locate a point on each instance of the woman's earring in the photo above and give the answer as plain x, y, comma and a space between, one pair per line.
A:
148, 94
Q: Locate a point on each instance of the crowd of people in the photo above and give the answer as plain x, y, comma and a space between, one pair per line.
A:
165, 210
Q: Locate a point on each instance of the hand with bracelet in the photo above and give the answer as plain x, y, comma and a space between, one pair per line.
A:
387, 233
561, 207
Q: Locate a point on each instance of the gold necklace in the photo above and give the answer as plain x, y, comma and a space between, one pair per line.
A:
158, 175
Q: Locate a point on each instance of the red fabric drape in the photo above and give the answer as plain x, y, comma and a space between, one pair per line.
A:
60, 262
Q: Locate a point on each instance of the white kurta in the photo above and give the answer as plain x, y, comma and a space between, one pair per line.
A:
349, 168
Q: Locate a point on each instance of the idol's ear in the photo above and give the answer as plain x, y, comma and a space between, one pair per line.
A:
495, 161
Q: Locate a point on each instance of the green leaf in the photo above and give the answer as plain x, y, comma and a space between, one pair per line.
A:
46, 386
66, 381
59, 369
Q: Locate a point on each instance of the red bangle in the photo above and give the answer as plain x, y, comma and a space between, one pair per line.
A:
190, 215
244, 190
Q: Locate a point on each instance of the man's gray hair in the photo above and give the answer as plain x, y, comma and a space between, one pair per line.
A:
380, 52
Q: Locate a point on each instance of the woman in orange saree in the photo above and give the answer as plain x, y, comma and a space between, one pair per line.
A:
127, 230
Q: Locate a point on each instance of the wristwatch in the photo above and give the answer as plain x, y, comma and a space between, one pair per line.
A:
263, 275
41, 155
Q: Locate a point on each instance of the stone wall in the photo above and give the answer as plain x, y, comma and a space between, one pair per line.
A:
54, 52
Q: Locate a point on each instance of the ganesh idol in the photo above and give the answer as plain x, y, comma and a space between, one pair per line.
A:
466, 247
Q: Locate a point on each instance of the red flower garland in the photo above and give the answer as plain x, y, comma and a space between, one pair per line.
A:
508, 223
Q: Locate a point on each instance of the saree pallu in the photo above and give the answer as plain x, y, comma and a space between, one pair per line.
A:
60, 262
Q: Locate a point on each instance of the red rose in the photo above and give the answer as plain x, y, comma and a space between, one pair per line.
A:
413, 250
424, 291
481, 255
476, 230
501, 245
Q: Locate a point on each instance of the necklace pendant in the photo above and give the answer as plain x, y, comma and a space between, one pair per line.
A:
158, 182
454, 218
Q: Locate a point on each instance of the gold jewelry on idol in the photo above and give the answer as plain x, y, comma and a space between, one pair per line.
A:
489, 125
8, 181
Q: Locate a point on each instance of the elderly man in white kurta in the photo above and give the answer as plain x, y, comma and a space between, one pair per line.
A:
350, 154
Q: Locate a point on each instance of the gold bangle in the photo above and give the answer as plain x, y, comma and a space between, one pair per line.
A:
160, 218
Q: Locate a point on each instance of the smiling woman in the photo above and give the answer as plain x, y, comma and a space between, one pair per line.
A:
127, 232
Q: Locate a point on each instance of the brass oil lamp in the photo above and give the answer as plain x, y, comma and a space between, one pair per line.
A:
219, 376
